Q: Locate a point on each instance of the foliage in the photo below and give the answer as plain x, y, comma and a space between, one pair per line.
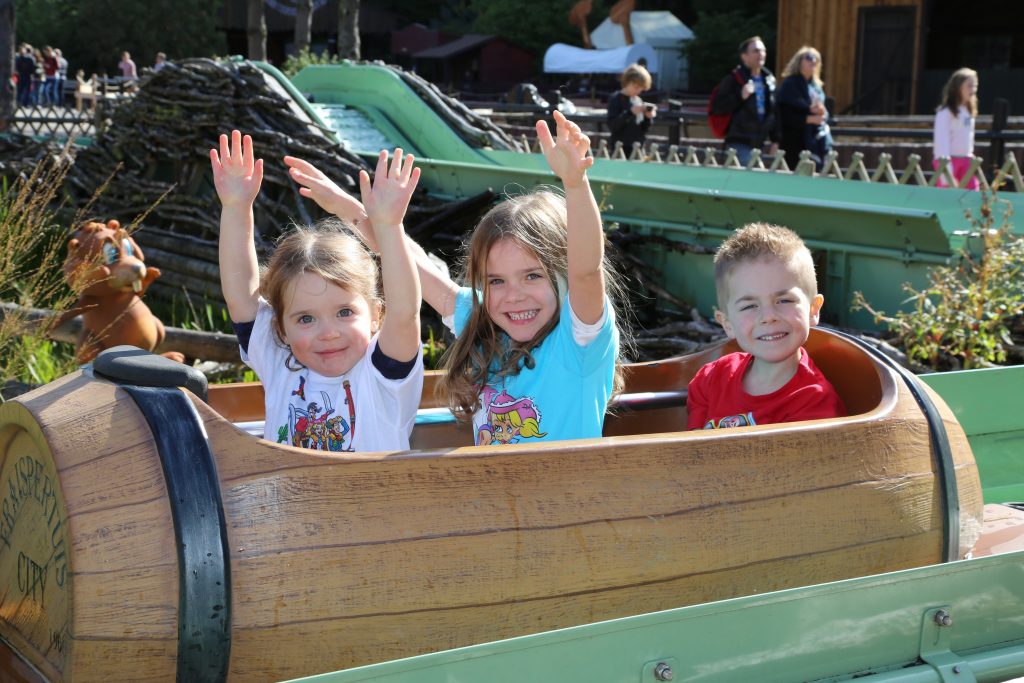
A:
720, 27
962, 318
296, 63
31, 275
531, 24
433, 349
93, 34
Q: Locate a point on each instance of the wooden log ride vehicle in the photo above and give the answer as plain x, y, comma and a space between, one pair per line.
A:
144, 536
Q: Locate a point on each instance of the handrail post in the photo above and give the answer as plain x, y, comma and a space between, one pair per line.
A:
1000, 117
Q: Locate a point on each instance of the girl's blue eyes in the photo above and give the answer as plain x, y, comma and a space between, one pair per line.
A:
307, 319
498, 281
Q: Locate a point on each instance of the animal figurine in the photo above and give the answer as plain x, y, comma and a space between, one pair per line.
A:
106, 266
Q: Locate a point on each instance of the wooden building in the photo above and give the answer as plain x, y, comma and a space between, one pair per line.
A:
893, 56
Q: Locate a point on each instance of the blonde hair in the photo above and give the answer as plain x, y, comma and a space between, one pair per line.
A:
793, 65
328, 249
635, 73
528, 428
951, 92
536, 223
758, 241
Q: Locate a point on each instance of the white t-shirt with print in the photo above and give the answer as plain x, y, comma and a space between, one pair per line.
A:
361, 410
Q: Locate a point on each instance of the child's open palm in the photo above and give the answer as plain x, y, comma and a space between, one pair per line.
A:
388, 198
566, 153
236, 175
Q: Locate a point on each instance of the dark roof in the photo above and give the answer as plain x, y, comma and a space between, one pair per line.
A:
456, 47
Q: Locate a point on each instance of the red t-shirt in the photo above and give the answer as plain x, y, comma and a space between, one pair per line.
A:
716, 398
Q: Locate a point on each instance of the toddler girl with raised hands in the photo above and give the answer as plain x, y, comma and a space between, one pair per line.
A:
313, 325
537, 342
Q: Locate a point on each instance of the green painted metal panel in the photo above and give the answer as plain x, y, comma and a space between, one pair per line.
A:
831, 632
988, 404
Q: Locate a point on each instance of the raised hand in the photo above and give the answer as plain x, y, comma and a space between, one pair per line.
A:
236, 175
388, 198
566, 153
324, 191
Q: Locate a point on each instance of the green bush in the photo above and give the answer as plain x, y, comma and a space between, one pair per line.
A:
296, 63
962, 318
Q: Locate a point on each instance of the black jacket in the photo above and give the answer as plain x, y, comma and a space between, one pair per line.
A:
794, 99
745, 125
623, 126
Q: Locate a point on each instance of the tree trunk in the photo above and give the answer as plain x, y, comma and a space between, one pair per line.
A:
256, 31
303, 24
348, 29
6, 62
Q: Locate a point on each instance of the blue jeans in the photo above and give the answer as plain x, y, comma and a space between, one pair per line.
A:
24, 92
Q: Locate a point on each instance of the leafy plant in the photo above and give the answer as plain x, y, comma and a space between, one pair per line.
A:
962, 318
296, 63
433, 349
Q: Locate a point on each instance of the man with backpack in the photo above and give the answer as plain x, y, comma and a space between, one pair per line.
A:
746, 100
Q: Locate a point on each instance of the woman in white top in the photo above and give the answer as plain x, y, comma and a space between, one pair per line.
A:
954, 125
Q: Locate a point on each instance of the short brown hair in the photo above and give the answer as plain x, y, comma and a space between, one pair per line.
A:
758, 241
327, 249
635, 73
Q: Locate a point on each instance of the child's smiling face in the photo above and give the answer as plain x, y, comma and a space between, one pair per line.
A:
520, 296
327, 327
767, 311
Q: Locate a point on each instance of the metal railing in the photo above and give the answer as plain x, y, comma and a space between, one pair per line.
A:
1008, 174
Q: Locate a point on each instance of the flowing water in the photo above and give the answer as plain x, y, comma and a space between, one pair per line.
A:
356, 131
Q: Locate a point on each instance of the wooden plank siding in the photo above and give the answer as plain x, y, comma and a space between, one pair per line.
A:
831, 26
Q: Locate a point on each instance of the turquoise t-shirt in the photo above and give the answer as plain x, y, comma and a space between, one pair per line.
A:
565, 394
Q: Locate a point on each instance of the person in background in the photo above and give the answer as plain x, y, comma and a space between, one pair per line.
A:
62, 76
161, 61
38, 78
802, 111
953, 135
629, 117
752, 104
25, 69
49, 91
127, 67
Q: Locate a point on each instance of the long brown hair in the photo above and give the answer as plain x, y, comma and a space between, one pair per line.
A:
536, 222
951, 92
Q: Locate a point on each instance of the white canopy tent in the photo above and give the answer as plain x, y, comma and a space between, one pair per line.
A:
566, 59
660, 30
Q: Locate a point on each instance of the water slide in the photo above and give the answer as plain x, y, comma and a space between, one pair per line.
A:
866, 236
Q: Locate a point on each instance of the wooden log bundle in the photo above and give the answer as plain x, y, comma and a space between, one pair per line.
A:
296, 563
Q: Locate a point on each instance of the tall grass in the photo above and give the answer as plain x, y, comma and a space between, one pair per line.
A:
31, 274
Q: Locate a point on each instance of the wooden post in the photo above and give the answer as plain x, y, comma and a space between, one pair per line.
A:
1000, 115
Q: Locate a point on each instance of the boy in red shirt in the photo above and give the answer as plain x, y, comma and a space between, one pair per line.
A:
768, 301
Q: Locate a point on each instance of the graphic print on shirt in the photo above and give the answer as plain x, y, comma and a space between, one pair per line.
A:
509, 419
744, 420
314, 427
